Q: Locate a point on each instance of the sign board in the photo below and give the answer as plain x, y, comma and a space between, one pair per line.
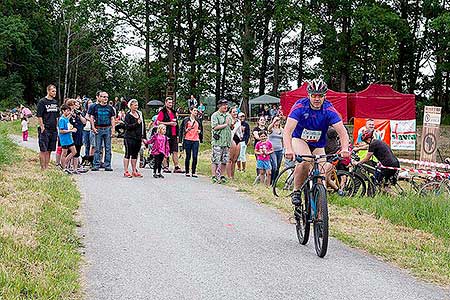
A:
403, 134
430, 133
432, 116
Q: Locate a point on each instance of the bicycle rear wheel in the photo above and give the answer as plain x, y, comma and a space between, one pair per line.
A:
360, 185
302, 216
284, 183
320, 221
435, 188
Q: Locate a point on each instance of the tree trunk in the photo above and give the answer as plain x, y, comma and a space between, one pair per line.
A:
170, 92
75, 81
276, 68
301, 55
402, 48
66, 77
147, 50
268, 12
346, 31
217, 49
247, 50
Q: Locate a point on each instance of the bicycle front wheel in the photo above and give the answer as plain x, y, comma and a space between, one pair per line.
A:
320, 220
302, 216
284, 183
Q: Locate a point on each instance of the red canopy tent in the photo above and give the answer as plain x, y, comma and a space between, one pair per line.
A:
339, 100
380, 101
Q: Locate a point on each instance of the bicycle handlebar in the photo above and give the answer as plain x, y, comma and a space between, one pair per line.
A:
301, 158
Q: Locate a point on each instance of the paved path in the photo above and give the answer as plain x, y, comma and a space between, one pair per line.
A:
184, 238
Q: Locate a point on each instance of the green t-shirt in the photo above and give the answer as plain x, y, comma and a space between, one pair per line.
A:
224, 134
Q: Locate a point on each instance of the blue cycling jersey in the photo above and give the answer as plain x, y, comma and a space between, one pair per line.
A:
312, 125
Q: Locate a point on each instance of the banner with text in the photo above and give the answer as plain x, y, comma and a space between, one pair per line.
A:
403, 135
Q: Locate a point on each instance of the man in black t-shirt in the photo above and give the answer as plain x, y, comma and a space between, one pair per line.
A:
102, 124
383, 153
48, 114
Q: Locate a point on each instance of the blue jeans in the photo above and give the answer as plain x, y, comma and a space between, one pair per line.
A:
86, 142
191, 147
275, 159
103, 136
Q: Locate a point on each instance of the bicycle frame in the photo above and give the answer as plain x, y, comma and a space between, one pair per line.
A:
312, 179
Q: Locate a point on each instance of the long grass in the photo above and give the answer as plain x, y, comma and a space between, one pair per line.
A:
431, 214
39, 246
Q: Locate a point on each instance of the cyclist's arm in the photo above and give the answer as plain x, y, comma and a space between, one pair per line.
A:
343, 136
366, 158
361, 147
287, 137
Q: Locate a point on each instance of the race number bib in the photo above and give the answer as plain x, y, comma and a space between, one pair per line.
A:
311, 135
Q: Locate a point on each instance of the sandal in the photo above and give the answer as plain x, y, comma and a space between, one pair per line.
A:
127, 174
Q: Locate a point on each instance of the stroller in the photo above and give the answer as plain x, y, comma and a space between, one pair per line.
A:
146, 158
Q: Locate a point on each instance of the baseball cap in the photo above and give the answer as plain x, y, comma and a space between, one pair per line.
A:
241, 114
222, 102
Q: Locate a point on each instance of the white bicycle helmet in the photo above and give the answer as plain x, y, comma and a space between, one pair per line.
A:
317, 86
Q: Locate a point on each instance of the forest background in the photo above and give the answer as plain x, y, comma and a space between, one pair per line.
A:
227, 49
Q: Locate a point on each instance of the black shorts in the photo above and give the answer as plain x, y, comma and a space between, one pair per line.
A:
311, 148
389, 175
47, 140
173, 144
68, 146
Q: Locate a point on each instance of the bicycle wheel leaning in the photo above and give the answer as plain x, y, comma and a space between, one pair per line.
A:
320, 221
302, 215
346, 182
435, 188
284, 183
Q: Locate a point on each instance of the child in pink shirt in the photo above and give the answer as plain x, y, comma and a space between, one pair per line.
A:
263, 149
160, 149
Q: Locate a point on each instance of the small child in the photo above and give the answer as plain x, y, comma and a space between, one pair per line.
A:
24, 124
263, 149
160, 149
65, 130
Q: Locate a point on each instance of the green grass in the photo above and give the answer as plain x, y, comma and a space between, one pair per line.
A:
39, 246
14, 127
428, 214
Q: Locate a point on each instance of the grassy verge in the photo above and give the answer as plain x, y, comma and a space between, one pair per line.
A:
410, 232
14, 127
39, 256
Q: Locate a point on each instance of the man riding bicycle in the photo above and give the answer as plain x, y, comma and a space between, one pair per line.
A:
306, 129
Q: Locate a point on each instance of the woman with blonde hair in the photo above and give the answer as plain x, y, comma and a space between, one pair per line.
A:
134, 135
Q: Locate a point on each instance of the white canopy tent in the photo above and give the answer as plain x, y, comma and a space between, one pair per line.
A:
263, 99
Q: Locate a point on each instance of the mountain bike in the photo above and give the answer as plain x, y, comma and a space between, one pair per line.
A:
314, 208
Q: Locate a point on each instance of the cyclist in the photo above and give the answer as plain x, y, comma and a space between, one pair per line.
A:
306, 129
385, 156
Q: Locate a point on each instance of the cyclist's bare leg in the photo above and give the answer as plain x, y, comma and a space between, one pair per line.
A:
300, 147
